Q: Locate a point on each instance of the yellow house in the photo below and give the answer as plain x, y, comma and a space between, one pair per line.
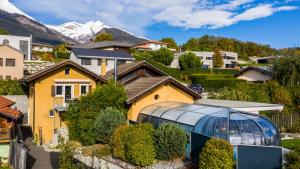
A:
50, 91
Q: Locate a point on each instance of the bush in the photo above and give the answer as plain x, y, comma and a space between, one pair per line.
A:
216, 153
106, 122
102, 151
139, 145
119, 140
12, 87
189, 60
292, 144
66, 156
163, 56
279, 95
293, 160
170, 142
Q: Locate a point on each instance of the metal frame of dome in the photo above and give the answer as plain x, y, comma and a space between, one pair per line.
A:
210, 121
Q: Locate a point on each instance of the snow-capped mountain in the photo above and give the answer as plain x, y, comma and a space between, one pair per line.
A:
79, 32
6, 6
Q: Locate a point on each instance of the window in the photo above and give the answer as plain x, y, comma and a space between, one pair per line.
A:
83, 89
67, 71
99, 62
58, 90
6, 42
1, 61
51, 113
24, 48
85, 61
11, 62
8, 77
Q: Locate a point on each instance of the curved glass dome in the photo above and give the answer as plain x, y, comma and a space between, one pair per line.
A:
235, 126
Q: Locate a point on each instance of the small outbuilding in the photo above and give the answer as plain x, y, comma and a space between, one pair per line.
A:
255, 74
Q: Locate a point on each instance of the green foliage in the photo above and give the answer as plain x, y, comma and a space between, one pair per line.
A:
171, 43
279, 95
189, 60
3, 32
12, 87
170, 142
66, 156
287, 70
80, 116
293, 160
163, 56
216, 153
142, 55
106, 122
104, 37
292, 144
102, 151
217, 58
61, 51
118, 141
139, 145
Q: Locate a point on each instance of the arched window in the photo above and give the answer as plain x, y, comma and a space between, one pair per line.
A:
6, 42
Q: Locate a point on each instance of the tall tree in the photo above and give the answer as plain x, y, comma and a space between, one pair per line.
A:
171, 43
189, 60
104, 37
163, 56
286, 70
217, 58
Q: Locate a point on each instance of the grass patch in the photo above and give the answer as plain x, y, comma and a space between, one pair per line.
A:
292, 144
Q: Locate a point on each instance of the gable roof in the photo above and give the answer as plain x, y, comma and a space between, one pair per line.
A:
59, 66
128, 67
103, 44
259, 69
143, 85
80, 52
5, 109
152, 41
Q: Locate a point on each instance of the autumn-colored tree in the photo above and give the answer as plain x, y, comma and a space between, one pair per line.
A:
217, 58
171, 43
47, 57
104, 37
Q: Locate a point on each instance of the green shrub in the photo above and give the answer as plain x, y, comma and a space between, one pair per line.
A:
66, 156
119, 140
106, 122
216, 153
292, 144
139, 145
12, 87
102, 151
170, 142
293, 160
189, 60
163, 56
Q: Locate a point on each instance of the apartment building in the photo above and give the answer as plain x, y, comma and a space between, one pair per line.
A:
21, 43
229, 59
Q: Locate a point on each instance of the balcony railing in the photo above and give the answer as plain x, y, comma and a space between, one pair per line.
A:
4, 134
64, 106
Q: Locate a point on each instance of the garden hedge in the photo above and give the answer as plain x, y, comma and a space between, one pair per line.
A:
119, 140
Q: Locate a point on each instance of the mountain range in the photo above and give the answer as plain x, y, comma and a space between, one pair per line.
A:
16, 22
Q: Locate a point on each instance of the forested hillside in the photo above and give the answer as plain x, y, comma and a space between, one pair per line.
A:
244, 49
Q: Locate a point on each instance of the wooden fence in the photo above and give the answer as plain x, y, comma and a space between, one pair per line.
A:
283, 120
18, 155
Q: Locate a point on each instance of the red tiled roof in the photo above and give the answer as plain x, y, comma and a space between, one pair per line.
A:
5, 109
5, 102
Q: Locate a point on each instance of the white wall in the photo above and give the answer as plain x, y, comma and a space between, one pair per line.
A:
14, 41
253, 76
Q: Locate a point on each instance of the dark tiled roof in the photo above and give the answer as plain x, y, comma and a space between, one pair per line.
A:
5, 109
103, 44
264, 71
79, 52
125, 68
143, 85
59, 66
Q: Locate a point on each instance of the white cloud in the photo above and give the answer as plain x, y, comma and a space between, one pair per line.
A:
136, 15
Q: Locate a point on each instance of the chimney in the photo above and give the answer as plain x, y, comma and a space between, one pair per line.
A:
103, 67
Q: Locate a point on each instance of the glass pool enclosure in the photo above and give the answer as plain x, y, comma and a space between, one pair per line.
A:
239, 128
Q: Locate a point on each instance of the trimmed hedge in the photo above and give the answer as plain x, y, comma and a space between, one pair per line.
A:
170, 142
216, 153
12, 87
119, 140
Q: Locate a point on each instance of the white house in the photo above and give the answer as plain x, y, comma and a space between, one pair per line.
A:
99, 61
21, 43
255, 74
229, 59
38, 47
150, 45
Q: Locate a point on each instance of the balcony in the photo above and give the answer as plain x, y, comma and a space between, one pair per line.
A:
62, 105
4, 134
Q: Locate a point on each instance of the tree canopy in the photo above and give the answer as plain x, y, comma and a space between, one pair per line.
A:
171, 43
189, 60
217, 58
287, 70
104, 37
163, 56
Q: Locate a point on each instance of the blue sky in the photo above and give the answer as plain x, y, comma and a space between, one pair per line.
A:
264, 21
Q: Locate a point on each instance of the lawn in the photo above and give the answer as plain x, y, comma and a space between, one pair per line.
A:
292, 144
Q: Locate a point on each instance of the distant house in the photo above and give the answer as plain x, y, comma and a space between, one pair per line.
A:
21, 43
38, 47
229, 59
11, 62
264, 60
106, 45
150, 45
255, 74
99, 61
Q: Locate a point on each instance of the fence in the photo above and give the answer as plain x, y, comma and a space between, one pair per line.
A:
282, 120
18, 155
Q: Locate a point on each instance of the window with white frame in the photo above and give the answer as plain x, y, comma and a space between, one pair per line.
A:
84, 89
58, 90
51, 113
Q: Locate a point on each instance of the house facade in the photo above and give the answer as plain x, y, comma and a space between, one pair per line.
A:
150, 45
50, 92
229, 59
22, 43
38, 47
255, 74
11, 63
99, 61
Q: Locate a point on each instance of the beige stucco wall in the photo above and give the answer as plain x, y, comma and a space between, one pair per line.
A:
15, 72
40, 94
165, 92
252, 76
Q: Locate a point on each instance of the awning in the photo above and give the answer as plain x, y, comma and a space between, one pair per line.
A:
71, 81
